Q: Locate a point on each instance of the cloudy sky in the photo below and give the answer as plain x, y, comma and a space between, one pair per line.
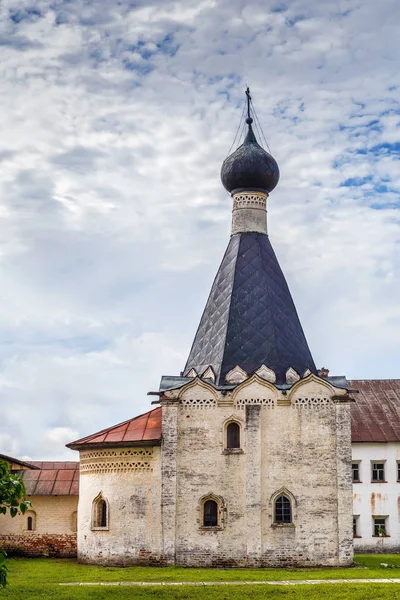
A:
115, 118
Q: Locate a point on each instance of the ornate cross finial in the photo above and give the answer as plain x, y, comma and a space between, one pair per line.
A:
249, 120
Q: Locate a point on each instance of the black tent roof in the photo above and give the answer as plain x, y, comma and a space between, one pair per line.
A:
250, 318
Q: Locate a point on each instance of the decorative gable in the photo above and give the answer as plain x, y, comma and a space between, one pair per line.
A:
208, 374
236, 375
292, 376
266, 373
255, 391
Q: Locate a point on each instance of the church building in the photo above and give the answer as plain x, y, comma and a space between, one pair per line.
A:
246, 459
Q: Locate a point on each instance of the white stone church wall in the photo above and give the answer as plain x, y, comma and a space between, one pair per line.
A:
298, 443
129, 480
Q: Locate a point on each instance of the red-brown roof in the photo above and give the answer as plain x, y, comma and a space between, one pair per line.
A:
375, 414
52, 479
142, 429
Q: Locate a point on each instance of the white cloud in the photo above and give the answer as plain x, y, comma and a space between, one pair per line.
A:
115, 121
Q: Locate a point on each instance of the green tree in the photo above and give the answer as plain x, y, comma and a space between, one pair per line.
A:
12, 500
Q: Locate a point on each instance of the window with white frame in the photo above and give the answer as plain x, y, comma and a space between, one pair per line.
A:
355, 467
398, 470
356, 526
380, 526
378, 471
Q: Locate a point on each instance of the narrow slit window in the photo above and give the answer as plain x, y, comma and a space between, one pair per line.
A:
30, 521
398, 470
103, 513
100, 514
210, 514
233, 436
283, 509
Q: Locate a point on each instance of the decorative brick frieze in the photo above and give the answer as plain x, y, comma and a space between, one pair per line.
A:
114, 461
264, 402
312, 402
199, 402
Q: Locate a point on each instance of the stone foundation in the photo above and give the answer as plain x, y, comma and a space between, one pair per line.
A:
35, 545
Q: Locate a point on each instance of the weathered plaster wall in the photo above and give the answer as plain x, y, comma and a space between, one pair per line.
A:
54, 528
377, 499
129, 480
299, 442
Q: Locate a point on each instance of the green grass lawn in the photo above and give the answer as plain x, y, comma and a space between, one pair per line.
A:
39, 579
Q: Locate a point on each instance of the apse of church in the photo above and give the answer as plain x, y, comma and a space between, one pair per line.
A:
247, 460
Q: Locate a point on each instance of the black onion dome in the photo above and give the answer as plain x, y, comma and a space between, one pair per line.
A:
250, 167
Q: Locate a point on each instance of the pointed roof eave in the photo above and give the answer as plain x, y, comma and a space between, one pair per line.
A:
143, 430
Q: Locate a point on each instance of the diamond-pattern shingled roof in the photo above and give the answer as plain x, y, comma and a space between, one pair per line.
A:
144, 428
52, 479
250, 318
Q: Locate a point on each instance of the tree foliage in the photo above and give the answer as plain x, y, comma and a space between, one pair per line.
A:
12, 500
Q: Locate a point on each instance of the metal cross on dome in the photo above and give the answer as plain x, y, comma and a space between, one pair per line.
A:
249, 120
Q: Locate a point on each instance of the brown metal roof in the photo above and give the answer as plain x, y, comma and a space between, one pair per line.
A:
145, 428
375, 414
52, 479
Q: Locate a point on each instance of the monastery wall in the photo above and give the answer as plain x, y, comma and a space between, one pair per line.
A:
128, 479
53, 528
298, 444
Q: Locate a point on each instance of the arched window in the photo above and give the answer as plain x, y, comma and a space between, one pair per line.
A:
100, 513
30, 520
233, 436
210, 514
283, 509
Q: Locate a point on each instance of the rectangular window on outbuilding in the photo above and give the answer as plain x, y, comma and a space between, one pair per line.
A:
378, 471
380, 526
398, 470
356, 472
356, 528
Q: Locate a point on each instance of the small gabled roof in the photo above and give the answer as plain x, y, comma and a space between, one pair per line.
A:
16, 461
144, 429
375, 414
52, 478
